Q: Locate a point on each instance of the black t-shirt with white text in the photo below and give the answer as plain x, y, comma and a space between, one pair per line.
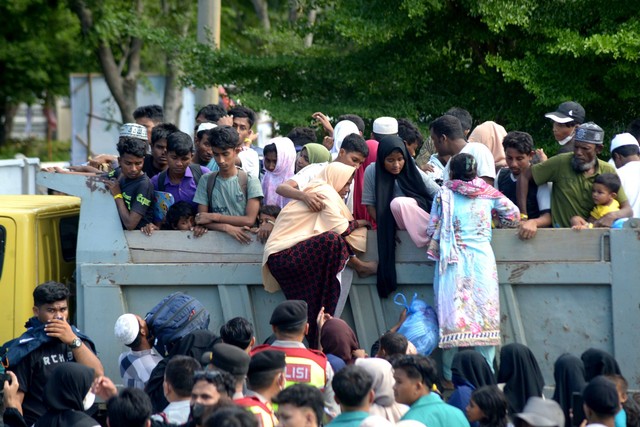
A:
137, 195
32, 373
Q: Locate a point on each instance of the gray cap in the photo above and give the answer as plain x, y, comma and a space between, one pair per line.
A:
539, 412
590, 132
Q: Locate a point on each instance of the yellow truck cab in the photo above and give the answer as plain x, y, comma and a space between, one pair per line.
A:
38, 239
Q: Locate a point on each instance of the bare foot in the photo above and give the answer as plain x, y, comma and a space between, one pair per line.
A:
367, 268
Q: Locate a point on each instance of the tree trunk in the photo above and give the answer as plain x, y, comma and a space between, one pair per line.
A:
122, 87
7, 114
294, 8
172, 94
262, 10
311, 19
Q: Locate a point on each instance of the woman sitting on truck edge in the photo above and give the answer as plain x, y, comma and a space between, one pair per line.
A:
306, 250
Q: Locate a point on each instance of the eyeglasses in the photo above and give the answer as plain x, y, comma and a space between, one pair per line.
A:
208, 376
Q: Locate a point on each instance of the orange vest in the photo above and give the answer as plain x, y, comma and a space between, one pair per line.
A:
263, 412
304, 366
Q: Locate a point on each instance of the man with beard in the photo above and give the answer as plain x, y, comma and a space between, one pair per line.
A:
572, 175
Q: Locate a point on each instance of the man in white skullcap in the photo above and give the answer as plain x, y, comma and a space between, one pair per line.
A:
625, 153
383, 126
137, 363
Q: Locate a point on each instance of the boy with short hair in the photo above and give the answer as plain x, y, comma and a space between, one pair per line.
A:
181, 177
519, 152
604, 192
239, 332
392, 344
156, 162
131, 188
243, 120
228, 200
300, 405
203, 154
415, 376
566, 119
353, 152
353, 388
411, 136
148, 116
266, 220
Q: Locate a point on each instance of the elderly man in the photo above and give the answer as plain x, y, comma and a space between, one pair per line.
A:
572, 175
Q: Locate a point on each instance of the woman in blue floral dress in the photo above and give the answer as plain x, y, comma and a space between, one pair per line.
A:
466, 278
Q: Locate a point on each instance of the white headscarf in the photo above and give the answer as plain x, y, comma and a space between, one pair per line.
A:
283, 171
384, 403
340, 132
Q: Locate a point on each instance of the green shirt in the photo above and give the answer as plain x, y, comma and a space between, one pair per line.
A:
571, 192
227, 196
349, 419
431, 411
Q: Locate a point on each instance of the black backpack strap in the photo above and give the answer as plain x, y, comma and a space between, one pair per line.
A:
210, 184
196, 172
161, 177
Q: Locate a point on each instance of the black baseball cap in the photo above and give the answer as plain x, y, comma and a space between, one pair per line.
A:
566, 112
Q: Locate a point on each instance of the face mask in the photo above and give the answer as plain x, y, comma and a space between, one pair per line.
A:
567, 139
88, 400
198, 412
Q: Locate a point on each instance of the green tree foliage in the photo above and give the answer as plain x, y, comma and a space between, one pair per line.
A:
38, 50
504, 60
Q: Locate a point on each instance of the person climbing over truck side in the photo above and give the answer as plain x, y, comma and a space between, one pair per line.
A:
228, 199
131, 188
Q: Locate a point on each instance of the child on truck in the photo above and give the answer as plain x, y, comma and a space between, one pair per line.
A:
228, 199
519, 153
180, 217
604, 192
131, 188
266, 220
181, 176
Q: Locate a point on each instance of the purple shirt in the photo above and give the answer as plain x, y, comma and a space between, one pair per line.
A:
184, 191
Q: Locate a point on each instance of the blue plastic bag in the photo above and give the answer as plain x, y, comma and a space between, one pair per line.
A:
421, 325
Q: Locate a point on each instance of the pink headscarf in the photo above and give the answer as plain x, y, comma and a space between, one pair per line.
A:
491, 134
283, 171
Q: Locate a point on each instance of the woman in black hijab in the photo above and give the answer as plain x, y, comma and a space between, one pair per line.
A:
521, 374
469, 372
568, 371
411, 184
599, 362
66, 394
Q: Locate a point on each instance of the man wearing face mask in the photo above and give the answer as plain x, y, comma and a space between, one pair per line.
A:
265, 380
210, 388
566, 119
48, 342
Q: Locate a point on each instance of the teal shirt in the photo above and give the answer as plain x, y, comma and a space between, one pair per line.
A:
349, 419
433, 412
621, 418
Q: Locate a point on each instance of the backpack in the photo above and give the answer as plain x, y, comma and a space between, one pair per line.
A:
173, 318
195, 171
243, 178
421, 325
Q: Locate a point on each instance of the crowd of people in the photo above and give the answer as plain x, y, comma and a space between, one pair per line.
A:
311, 205
227, 380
